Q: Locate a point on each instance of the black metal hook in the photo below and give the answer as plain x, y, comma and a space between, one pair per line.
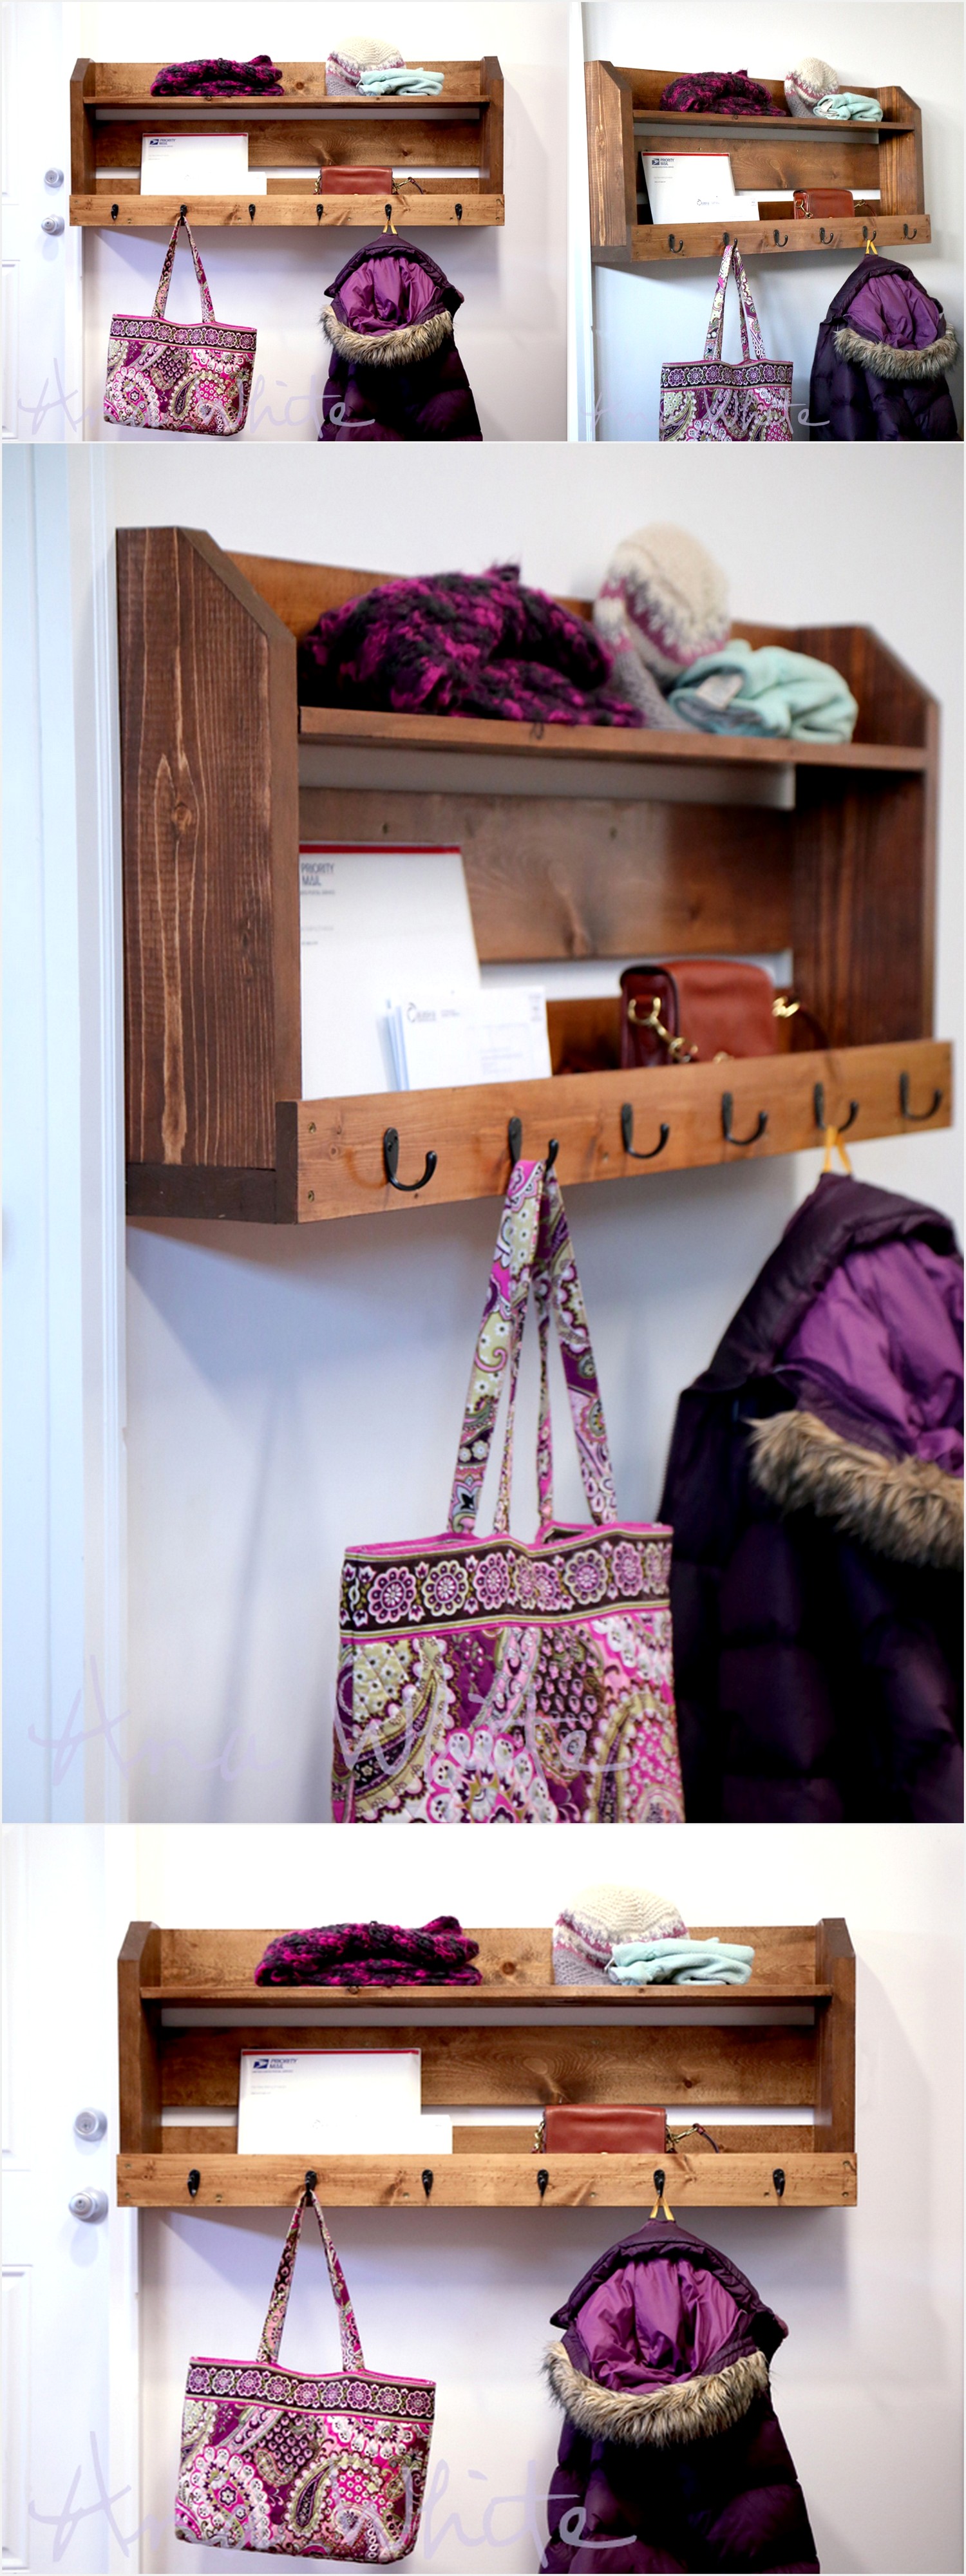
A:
910, 236
194, 2183
251, 214
115, 211
514, 1138
426, 2178
827, 238
727, 1113
459, 213
542, 2180
818, 1103
310, 2180
183, 213
659, 2182
553, 1150
319, 211
867, 236
778, 2179
779, 245
917, 1114
390, 1157
627, 1132
677, 247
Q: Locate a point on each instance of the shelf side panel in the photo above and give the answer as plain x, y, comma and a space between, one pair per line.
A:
209, 808
863, 906
610, 155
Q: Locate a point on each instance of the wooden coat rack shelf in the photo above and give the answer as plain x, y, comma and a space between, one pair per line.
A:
593, 2043
453, 144
767, 154
577, 842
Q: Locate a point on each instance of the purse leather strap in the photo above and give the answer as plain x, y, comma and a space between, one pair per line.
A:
268, 2349
533, 1248
164, 280
732, 264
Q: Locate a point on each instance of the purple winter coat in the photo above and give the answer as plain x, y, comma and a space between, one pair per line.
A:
671, 2456
395, 371
879, 369
815, 1490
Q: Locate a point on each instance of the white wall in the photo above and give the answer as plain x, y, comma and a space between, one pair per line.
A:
294, 1390
662, 313
511, 330
867, 2386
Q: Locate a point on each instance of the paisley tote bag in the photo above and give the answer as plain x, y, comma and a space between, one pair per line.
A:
714, 400
487, 1681
327, 2466
179, 375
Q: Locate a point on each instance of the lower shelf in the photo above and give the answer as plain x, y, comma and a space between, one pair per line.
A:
702, 2181
129, 212
330, 1157
707, 241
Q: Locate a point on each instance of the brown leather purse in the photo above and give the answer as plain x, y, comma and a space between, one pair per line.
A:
601, 2129
353, 179
812, 205
698, 1010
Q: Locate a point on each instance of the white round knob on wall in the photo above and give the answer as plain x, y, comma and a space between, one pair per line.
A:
90, 2124
89, 2205
52, 224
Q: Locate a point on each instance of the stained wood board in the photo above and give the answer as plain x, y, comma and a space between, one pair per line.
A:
497, 2182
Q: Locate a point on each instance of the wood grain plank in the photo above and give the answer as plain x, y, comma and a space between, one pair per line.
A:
610, 154
139, 2064
316, 144
209, 820
362, 726
524, 2064
835, 2044
862, 909
339, 1143
82, 146
464, 209
495, 2182
652, 242
589, 876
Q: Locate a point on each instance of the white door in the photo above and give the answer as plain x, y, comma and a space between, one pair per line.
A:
42, 345
70, 2488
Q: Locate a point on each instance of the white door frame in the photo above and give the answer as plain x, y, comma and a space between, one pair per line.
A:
65, 1628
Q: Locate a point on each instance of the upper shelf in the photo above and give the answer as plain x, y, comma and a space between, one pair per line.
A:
438, 140
768, 154
373, 727
209, 1969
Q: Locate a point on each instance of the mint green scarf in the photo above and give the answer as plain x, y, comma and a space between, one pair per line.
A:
679, 1963
850, 106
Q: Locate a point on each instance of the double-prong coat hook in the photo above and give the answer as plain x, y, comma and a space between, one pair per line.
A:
627, 1132
727, 1114
194, 2183
542, 2180
778, 2179
917, 1114
426, 2178
390, 1159
841, 1125
310, 2180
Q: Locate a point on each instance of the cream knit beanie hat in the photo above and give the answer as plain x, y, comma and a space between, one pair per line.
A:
587, 1930
811, 80
664, 603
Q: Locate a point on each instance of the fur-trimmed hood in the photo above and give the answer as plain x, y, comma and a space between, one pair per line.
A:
909, 1509
404, 347
685, 2410
901, 366
665, 2342
392, 306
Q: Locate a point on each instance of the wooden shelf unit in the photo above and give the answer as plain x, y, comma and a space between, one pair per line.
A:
459, 130
576, 843
635, 2048
767, 154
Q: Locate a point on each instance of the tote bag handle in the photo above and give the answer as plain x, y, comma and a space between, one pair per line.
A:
268, 2349
533, 1248
164, 280
732, 264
